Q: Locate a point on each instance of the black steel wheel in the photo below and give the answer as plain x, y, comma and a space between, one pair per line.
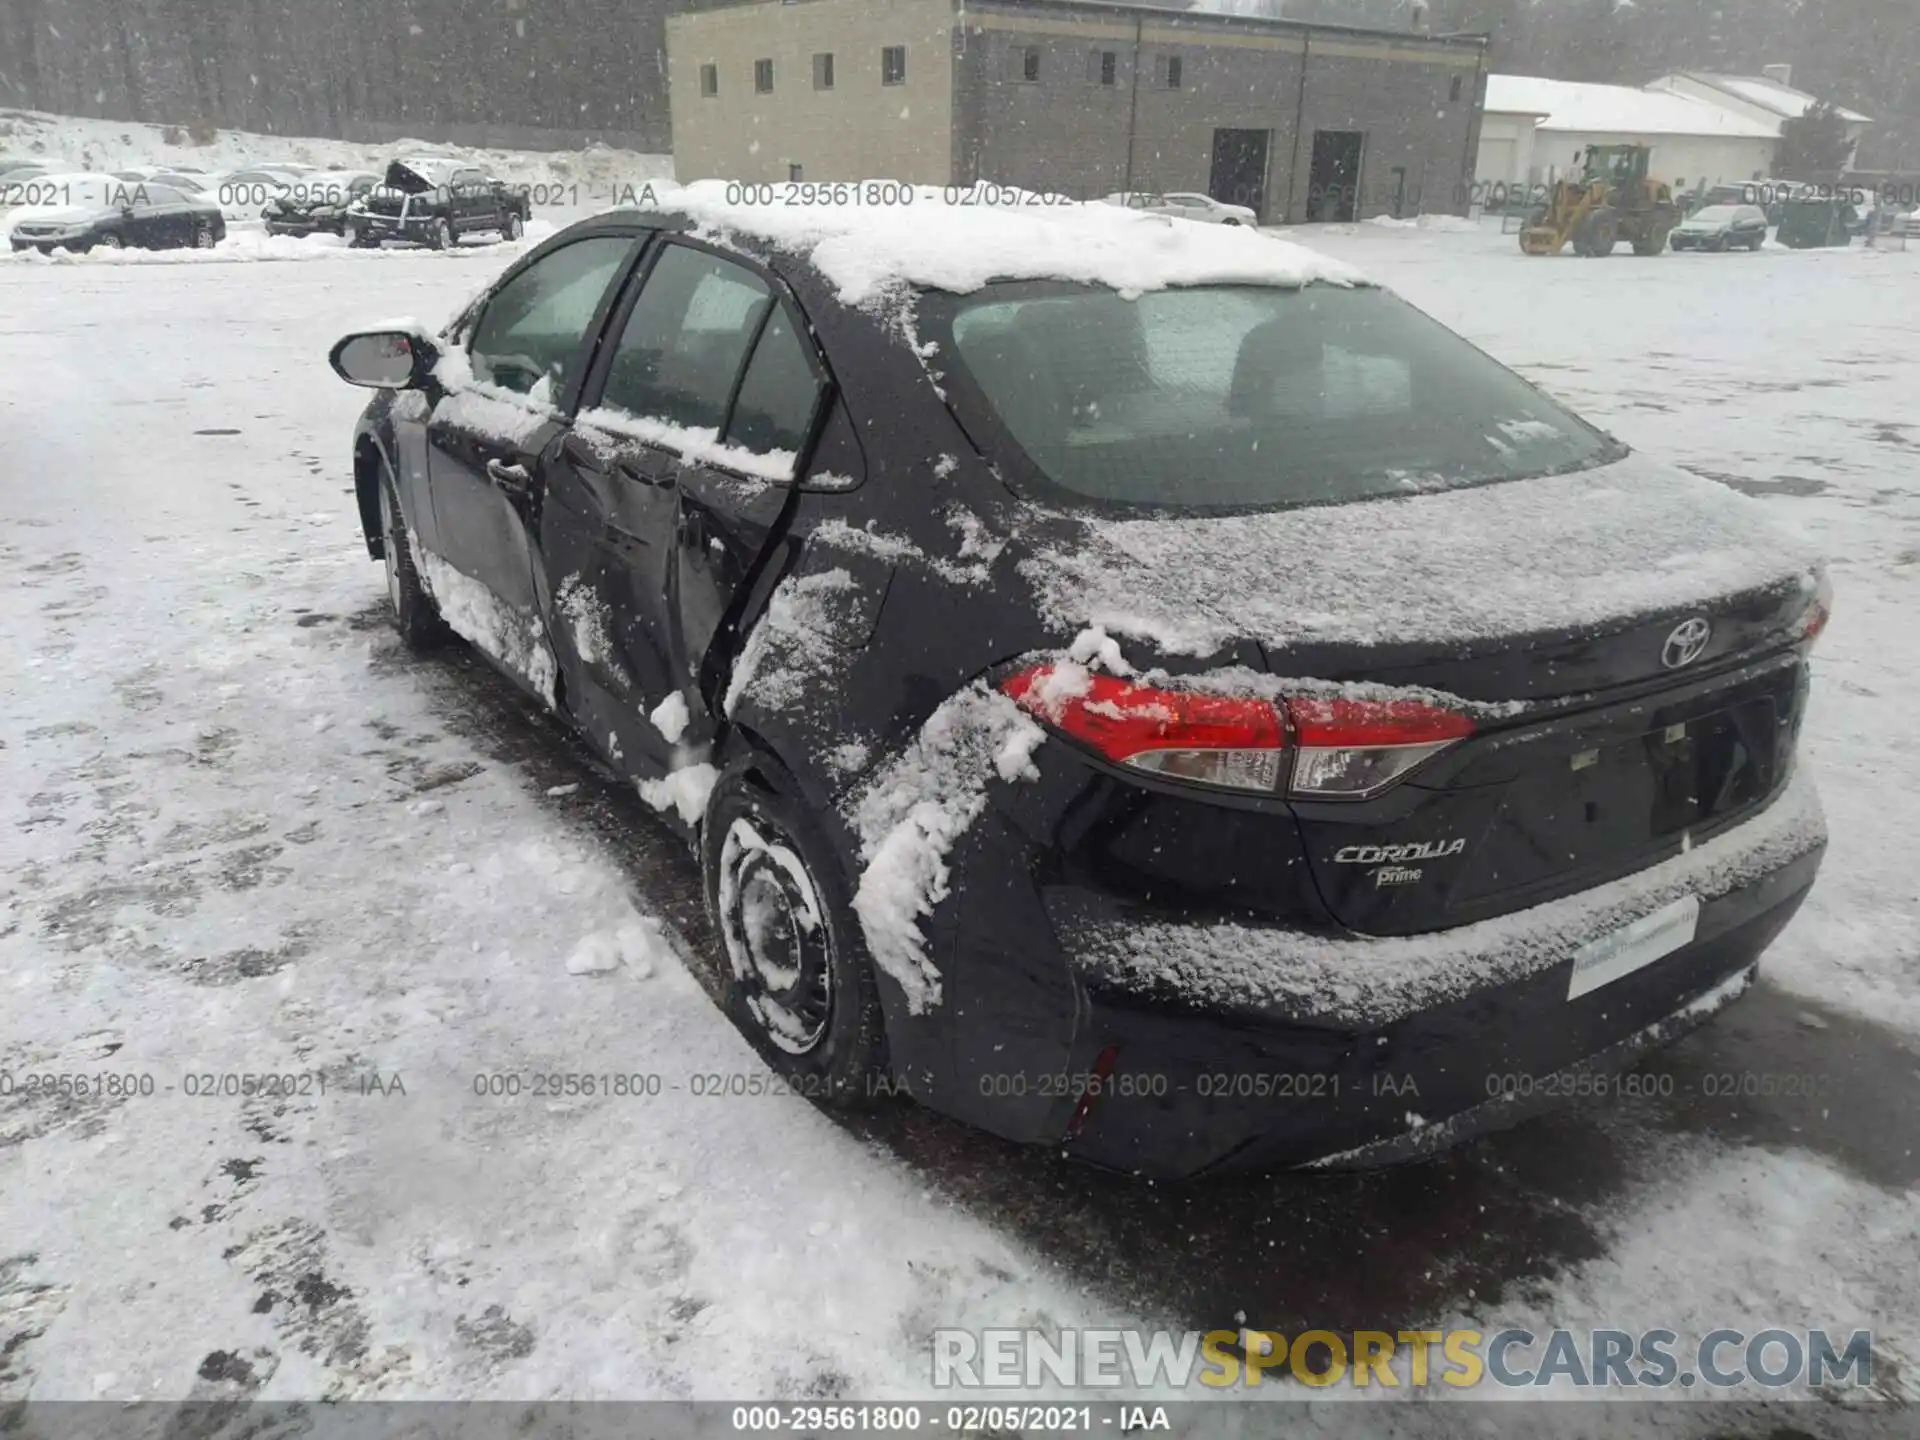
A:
415, 615
799, 982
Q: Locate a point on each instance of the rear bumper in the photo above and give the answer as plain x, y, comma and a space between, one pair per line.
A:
1244, 1046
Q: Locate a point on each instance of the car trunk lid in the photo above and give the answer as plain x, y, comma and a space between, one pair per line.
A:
1625, 642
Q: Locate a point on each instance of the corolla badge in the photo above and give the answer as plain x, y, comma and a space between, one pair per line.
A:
1685, 644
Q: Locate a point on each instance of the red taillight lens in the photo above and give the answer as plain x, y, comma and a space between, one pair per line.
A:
1342, 749
1209, 739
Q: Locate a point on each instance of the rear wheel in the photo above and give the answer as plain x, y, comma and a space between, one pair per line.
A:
799, 982
203, 234
415, 615
514, 227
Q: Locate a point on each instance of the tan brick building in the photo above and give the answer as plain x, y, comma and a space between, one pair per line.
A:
1078, 96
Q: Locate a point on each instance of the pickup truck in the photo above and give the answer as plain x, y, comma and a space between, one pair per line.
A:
432, 200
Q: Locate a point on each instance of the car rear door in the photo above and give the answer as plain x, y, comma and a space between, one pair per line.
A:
508, 383
652, 523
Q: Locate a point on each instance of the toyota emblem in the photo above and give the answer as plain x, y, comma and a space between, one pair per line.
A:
1685, 644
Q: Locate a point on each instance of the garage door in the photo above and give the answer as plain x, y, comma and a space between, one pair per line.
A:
1496, 161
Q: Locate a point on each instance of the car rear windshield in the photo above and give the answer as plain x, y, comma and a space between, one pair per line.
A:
1243, 397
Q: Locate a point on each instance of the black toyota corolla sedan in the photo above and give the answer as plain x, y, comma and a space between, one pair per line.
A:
1133, 685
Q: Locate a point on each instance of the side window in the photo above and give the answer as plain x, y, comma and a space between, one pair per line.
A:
779, 394
683, 344
532, 332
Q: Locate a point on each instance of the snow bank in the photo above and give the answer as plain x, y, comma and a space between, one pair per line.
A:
959, 240
913, 812
1376, 981
1560, 552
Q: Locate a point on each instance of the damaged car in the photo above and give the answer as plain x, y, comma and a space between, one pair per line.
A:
1141, 689
435, 201
316, 204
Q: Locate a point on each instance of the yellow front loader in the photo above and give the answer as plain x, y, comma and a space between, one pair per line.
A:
1613, 200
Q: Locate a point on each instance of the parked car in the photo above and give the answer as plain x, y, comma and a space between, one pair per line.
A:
1203, 715
1722, 227
18, 172
92, 211
431, 200
244, 194
1184, 204
191, 182
317, 203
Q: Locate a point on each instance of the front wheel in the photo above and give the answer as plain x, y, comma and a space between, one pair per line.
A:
415, 615
443, 234
109, 242
799, 983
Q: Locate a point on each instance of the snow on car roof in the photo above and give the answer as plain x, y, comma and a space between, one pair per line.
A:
959, 240
1615, 109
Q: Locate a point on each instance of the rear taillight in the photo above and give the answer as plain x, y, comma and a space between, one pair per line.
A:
1819, 610
1339, 749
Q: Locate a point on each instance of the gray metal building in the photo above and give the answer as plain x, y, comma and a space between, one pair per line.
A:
1302, 121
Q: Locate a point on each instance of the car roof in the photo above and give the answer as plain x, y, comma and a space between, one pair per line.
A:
871, 254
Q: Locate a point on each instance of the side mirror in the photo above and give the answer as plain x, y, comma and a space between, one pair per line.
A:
126, 212
384, 359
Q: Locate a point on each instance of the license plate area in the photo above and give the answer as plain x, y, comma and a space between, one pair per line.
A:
1634, 947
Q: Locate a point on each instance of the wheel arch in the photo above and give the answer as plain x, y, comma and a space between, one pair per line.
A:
370, 460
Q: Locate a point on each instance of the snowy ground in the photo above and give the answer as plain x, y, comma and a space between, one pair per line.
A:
247, 835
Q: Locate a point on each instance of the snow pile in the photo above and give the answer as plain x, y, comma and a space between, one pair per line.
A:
909, 817
1376, 981
639, 944
1560, 552
670, 717
603, 427
685, 790
518, 640
943, 241
793, 645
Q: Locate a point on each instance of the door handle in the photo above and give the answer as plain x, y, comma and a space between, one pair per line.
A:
513, 479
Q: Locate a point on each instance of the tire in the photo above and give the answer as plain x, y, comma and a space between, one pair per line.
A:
415, 615
203, 235
779, 901
1229, 221
108, 242
351, 234
513, 227
443, 237
1758, 241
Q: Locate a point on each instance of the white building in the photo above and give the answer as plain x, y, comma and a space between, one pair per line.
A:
1535, 128
1768, 98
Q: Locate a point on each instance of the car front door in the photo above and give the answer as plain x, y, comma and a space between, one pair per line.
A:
471, 210
647, 474
513, 373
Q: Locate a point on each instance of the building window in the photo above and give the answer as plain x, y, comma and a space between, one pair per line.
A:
793, 169
763, 77
1103, 67
1453, 90
709, 80
893, 65
823, 70
1024, 63
1169, 68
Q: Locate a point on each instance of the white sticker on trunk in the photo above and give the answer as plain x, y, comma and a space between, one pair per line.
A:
1632, 947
